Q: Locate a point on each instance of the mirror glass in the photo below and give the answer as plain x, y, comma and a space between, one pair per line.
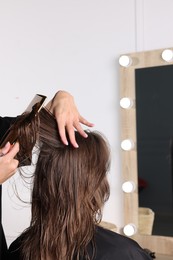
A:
154, 115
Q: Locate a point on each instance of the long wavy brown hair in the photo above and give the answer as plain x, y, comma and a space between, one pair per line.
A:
70, 188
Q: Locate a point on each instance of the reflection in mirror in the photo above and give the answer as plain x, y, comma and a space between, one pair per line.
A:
148, 81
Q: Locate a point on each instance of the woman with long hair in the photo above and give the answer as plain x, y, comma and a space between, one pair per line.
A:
67, 118
70, 188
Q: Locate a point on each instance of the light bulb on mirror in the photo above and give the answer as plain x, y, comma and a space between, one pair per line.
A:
126, 102
167, 55
127, 145
128, 187
125, 61
130, 230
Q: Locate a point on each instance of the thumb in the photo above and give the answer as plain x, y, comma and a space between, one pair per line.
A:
13, 150
6, 148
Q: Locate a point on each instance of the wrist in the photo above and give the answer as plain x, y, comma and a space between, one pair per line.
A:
60, 97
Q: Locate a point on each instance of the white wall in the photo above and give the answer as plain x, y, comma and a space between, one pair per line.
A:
47, 45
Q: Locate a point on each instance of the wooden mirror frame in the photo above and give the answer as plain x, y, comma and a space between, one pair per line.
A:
159, 244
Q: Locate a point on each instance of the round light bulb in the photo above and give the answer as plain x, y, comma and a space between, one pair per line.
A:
128, 186
127, 144
126, 103
129, 230
125, 61
167, 55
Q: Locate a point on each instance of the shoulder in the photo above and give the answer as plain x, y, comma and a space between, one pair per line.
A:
14, 250
111, 245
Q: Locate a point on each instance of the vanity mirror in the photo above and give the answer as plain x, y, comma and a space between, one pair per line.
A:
146, 104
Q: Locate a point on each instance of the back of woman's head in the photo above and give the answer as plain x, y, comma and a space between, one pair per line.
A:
70, 188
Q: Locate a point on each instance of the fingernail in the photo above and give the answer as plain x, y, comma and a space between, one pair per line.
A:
7, 144
3, 150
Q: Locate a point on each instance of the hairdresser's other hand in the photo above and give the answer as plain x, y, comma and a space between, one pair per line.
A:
68, 118
8, 165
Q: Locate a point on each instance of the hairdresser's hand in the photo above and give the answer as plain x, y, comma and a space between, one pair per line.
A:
68, 118
8, 165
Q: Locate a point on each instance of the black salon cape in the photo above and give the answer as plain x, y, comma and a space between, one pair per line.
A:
109, 246
4, 125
